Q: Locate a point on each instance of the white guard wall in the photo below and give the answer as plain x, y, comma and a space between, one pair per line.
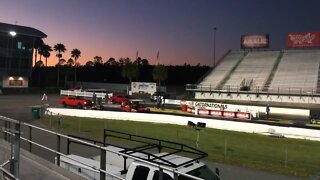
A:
143, 87
291, 132
241, 108
15, 82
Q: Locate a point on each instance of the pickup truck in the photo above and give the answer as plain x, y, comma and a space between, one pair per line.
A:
138, 164
77, 102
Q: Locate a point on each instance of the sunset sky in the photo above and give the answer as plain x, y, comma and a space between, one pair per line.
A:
181, 30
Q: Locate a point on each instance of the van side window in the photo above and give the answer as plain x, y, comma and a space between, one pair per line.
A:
141, 173
165, 176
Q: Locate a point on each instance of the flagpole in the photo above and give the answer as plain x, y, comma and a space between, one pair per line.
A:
158, 57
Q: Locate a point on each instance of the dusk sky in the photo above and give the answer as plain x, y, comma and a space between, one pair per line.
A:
181, 30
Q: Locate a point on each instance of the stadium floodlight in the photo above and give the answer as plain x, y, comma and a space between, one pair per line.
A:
12, 33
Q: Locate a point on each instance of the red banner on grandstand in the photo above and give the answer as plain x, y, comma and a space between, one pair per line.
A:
255, 41
304, 39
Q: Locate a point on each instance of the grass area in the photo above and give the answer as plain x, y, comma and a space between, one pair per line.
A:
281, 155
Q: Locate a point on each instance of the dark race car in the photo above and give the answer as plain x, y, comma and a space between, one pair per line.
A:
134, 105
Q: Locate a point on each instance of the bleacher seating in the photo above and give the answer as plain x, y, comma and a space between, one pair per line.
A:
222, 69
298, 70
255, 68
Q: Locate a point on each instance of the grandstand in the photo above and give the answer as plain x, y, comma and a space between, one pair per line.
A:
260, 72
297, 70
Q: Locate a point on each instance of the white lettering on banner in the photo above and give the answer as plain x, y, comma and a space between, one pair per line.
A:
301, 39
243, 115
210, 105
215, 113
229, 114
203, 111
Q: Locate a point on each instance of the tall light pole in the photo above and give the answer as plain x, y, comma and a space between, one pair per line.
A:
214, 46
12, 35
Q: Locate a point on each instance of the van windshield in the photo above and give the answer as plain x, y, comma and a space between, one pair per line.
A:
203, 172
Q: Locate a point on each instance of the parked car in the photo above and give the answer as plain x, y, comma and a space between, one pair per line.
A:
154, 96
134, 105
118, 99
74, 101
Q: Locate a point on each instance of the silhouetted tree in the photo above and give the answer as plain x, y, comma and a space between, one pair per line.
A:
124, 61
130, 70
62, 62
97, 60
111, 62
59, 48
37, 44
39, 64
159, 73
89, 64
70, 62
75, 53
145, 62
45, 50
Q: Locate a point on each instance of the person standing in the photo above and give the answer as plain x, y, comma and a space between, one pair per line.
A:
268, 111
158, 102
94, 98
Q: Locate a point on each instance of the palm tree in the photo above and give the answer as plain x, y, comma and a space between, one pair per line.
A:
44, 50
159, 73
46, 55
37, 44
75, 53
130, 70
59, 48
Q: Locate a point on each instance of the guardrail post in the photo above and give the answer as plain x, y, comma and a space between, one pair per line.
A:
15, 152
68, 146
104, 137
58, 149
30, 138
103, 154
4, 132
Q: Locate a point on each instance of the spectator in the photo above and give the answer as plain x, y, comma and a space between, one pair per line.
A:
44, 97
158, 102
162, 102
268, 111
94, 98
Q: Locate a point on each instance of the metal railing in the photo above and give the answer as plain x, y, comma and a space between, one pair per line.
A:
15, 157
252, 90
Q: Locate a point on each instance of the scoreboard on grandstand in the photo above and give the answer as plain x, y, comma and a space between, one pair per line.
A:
255, 41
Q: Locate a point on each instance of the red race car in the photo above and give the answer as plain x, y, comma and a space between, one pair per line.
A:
134, 105
77, 102
118, 99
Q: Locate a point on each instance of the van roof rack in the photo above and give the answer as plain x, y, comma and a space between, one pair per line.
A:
148, 145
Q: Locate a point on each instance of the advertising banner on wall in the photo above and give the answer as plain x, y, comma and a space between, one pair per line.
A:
255, 41
304, 39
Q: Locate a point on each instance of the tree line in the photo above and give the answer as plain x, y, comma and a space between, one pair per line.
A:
123, 70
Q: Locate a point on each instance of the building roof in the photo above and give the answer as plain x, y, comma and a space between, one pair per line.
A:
22, 30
